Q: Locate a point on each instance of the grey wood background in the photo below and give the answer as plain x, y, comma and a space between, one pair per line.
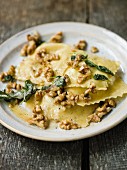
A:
107, 151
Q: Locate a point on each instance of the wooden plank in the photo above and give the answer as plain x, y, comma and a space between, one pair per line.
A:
17, 152
110, 14
109, 150
26, 14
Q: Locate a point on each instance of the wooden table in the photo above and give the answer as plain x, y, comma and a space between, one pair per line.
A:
107, 151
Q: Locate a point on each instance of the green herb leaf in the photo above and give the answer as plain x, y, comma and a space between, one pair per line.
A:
90, 63
8, 78
73, 57
4, 96
28, 90
45, 87
22, 95
100, 68
105, 70
84, 57
100, 77
17, 95
59, 81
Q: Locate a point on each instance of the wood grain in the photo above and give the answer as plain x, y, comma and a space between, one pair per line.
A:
16, 15
109, 150
21, 153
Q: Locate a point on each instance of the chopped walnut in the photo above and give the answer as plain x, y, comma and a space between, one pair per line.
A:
92, 89
75, 62
10, 72
83, 97
23, 51
37, 109
39, 58
84, 69
81, 45
2, 75
8, 90
67, 79
94, 49
57, 38
81, 78
54, 91
38, 73
60, 98
49, 73
35, 37
38, 118
30, 47
70, 96
101, 111
68, 125
39, 95
52, 94
111, 102
86, 72
66, 99
14, 85
50, 57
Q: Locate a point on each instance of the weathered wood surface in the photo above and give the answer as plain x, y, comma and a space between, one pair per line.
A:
107, 151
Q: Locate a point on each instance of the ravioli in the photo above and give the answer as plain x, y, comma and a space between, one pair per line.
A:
100, 85
29, 66
63, 50
27, 70
77, 114
116, 90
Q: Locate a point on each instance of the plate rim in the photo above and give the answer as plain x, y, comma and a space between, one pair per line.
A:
73, 137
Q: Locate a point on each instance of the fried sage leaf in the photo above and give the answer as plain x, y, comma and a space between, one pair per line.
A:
45, 87
73, 57
28, 90
100, 77
90, 63
105, 70
59, 81
8, 78
100, 68
22, 95
4, 96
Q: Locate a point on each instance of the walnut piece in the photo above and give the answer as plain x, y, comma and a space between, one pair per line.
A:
68, 125
57, 38
32, 44
38, 118
81, 45
49, 73
10, 72
94, 49
101, 111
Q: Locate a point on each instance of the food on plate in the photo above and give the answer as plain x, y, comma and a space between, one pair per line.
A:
57, 82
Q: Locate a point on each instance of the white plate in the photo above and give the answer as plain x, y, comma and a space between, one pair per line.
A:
110, 45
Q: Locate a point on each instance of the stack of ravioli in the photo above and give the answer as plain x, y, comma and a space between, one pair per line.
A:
112, 88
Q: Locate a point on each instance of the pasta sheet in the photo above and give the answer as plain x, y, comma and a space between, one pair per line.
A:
116, 90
